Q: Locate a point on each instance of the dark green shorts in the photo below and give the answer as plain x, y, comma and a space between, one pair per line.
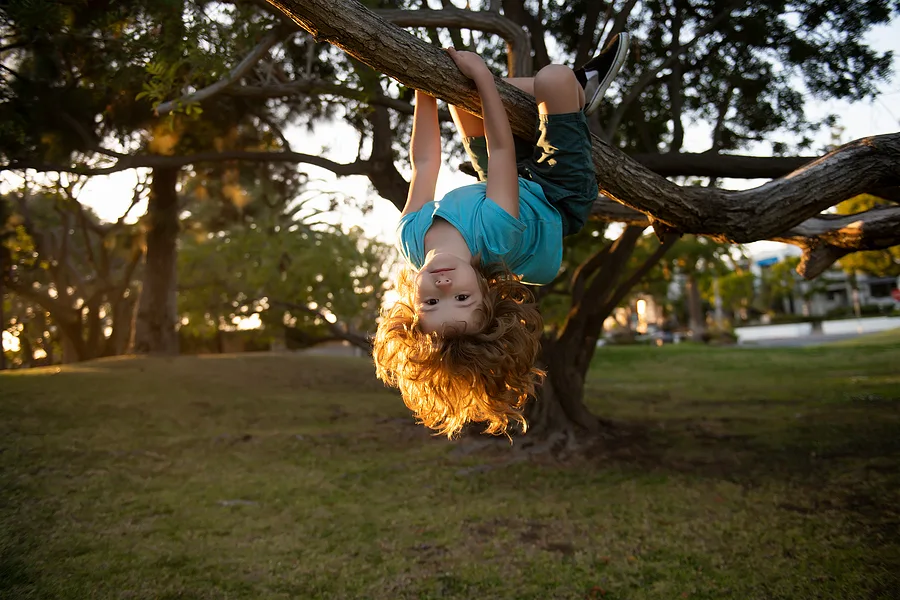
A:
559, 161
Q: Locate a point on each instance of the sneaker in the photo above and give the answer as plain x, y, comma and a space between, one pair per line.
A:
598, 73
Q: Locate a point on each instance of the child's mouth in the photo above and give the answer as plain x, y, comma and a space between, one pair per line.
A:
442, 270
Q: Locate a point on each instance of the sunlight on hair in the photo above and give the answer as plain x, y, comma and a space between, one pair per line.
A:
485, 376
389, 298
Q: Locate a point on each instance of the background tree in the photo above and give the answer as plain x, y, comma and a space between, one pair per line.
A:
737, 292
696, 262
261, 250
71, 273
98, 71
783, 291
6, 234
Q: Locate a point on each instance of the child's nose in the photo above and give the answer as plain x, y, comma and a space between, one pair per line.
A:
442, 282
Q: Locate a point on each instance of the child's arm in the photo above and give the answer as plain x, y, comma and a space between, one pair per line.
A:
424, 152
502, 175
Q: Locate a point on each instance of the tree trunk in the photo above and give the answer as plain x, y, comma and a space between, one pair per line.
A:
122, 324
157, 311
2, 317
696, 318
40, 323
559, 414
559, 406
95, 342
69, 350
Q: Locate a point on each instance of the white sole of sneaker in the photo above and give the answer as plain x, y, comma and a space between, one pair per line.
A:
591, 105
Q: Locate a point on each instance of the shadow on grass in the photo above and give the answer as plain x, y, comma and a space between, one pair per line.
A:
845, 463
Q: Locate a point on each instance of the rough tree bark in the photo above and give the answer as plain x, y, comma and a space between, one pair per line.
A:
154, 328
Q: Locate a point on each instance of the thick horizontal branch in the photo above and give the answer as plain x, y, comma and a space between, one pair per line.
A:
710, 164
606, 209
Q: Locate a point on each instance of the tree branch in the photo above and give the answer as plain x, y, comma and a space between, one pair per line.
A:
153, 161
828, 237
607, 209
712, 164
516, 11
490, 22
587, 43
638, 88
586, 269
519, 45
626, 286
314, 87
245, 66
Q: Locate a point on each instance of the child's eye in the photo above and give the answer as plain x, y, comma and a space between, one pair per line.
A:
462, 297
431, 301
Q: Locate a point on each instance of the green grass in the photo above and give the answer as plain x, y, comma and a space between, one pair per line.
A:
734, 473
889, 337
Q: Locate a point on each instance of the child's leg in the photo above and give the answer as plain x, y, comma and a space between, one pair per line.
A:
561, 163
467, 124
471, 129
557, 91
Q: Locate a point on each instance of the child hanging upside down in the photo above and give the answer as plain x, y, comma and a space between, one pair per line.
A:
462, 340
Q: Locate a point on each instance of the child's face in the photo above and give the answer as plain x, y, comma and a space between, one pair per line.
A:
447, 294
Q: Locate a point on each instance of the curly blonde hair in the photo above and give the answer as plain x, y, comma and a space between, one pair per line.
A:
452, 379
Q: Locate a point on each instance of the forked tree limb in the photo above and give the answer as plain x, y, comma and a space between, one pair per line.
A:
518, 43
274, 36
769, 211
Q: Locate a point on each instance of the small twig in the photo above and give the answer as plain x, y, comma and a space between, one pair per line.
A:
245, 66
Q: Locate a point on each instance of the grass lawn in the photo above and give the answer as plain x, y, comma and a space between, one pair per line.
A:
745, 473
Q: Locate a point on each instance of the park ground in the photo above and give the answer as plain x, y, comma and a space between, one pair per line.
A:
749, 473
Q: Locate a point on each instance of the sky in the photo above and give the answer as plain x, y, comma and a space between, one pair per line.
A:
110, 196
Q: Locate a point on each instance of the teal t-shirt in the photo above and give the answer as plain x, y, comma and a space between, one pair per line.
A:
531, 246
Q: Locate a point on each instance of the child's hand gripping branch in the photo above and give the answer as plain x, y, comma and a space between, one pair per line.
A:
461, 342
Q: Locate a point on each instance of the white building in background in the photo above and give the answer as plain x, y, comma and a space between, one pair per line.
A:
837, 289
643, 315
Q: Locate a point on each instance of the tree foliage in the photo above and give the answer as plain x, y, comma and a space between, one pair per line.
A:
286, 271
73, 276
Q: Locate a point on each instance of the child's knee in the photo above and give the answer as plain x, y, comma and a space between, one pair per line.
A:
552, 79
